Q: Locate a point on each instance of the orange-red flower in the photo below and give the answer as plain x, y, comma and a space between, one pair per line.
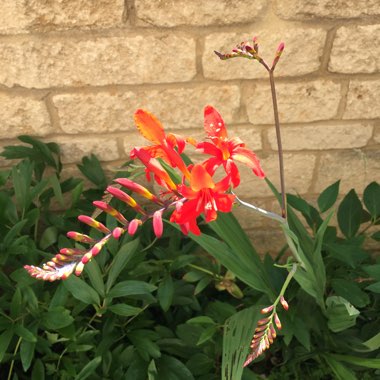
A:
225, 150
202, 196
165, 146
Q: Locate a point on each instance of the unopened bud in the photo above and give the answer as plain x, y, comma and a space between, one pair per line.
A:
267, 309
284, 304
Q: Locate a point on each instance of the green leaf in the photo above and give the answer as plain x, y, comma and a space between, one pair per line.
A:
373, 343
302, 333
16, 304
81, 291
361, 362
26, 354
57, 318
143, 341
165, 293
207, 334
328, 197
203, 319
125, 254
131, 288
373, 271
92, 169
5, 339
351, 292
170, 368
202, 284
49, 237
24, 333
376, 236
124, 310
371, 198
193, 276
349, 214
341, 314
38, 372
375, 288
341, 372
89, 368
93, 271
236, 341
54, 181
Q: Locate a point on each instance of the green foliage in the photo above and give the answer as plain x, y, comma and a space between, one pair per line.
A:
181, 308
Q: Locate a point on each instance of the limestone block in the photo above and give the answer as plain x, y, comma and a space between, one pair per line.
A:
176, 108
22, 115
321, 137
49, 62
298, 171
297, 102
363, 100
302, 54
334, 9
169, 13
356, 49
355, 168
104, 147
20, 16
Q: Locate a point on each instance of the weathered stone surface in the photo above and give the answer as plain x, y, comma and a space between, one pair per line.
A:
356, 49
356, 169
363, 100
267, 241
302, 54
23, 115
105, 148
309, 9
18, 16
49, 62
330, 136
176, 108
171, 13
297, 102
298, 170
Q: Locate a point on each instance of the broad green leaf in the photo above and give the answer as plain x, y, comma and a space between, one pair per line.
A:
54, 181
48, 237
125, 254
373, 271
373, 343
350, 291
193, 276
328, 196
347, 252
202, 284
93, 271
81, 290
57, 318
38, 372
143, 340
165, 293
371, 198
5, 339
341, 371
24, 333
26, 354
375, 288
89, 368
238, 333
131, 288
92, 169
203, 319
170, 368
124, 310
207, 334
200, 364
349, 214
341, 314
302, 333
16, 304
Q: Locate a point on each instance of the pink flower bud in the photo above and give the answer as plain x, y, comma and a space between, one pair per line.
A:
158, 226
133, 225
277, 321
284, 304
117, 232
267, 309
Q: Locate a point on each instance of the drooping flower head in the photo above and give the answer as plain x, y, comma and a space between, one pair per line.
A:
225, 150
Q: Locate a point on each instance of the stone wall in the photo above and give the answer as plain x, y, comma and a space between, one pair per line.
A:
74, 71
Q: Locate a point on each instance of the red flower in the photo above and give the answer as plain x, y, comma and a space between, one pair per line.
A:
224, 150
164, 144
202, 196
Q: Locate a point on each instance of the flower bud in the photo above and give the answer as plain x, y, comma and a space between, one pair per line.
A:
284, 304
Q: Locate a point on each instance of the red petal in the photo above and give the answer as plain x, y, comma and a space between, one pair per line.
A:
250, 159
213, 123
158, 226
200, 179
149, 126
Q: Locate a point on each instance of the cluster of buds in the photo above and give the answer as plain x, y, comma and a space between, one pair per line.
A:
251, 51
265, 332
195, 194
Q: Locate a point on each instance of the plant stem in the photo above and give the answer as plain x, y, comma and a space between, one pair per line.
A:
279, 143
13, 360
